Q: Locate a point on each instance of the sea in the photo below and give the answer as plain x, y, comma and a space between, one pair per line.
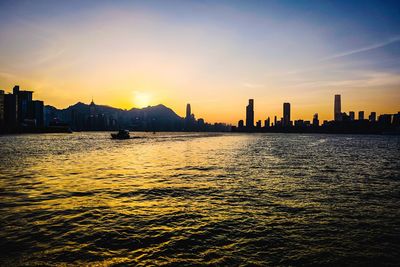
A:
199, 199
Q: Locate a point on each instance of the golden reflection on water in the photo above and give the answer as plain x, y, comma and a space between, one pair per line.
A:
179, 198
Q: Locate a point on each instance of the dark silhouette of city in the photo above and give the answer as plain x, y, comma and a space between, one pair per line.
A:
19, 113
342, 123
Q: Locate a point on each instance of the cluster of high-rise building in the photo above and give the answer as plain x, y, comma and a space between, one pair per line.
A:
342, 123
199, 125
343, 116
19, 112
92, 117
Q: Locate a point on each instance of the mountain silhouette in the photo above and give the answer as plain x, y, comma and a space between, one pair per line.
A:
81, 116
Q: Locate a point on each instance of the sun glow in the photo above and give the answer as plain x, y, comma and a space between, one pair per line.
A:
141, 99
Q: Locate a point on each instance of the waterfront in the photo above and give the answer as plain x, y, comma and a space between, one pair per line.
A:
200, 198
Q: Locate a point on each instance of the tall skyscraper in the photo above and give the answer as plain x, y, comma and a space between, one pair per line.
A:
286, 114
250, 114
315, 120
188, 112
361, 115
338, 108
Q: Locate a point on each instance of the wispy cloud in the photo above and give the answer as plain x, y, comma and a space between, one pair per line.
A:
361, 80
7, 75
392, 40
252, 85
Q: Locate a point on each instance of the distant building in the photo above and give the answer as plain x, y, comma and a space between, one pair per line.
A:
92, 116
396, 119
36, 113
352, 115
315, 121
298, 123
241, 124
385, 120
24, 98
286, 114
345, 117
250, 114
338, 108
1, 110
372, 117
188, 112
189, 119
10, 112
275, 120
361, 115
201, 124
267, 123
258, 125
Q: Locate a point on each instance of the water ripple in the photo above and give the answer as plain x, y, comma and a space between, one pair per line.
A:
199, 199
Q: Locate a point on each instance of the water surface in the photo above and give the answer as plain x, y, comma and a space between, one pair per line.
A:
199, 199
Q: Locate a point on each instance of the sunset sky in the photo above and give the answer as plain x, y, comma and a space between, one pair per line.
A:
212, 54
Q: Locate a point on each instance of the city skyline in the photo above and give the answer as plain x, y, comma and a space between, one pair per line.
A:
19, 112
134, 54
284, 118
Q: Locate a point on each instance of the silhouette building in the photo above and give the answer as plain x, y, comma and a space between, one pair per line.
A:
188, 112
250, 114
18, 112
24, 98
36, 113
10, 111
352, 116
315, 120
338, 108
372, 117
267, 122
189, 118
286, 114
361, 115
1, 110
241, 124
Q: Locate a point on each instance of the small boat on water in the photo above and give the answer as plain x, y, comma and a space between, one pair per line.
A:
122, 134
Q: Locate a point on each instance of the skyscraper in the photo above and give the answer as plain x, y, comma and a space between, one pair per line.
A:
10, 111
361, 115
24, 98
1, 110
250, 114
188, 112
315, 120
286, 114
338, 108
352, 116
267, 122
372, 117
36, 112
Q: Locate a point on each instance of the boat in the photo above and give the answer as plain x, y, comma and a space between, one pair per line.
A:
122, 134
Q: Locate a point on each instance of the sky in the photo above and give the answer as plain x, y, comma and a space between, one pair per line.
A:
214, 55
